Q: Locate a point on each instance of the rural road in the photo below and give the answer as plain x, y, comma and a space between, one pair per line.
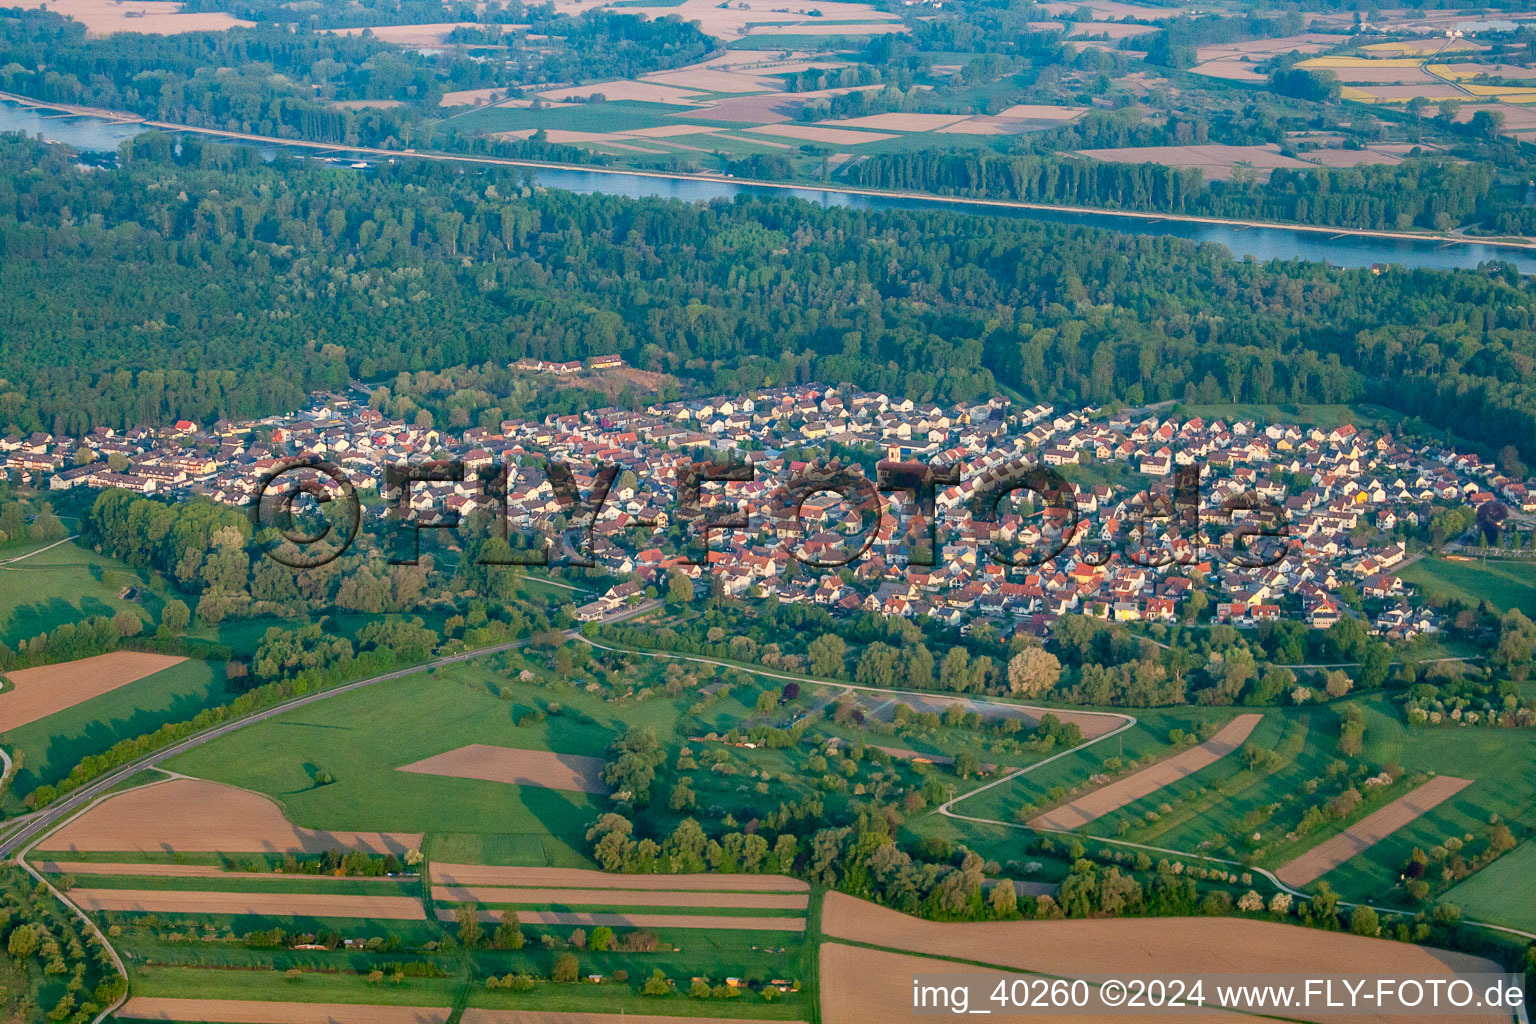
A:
40, 550
787, 186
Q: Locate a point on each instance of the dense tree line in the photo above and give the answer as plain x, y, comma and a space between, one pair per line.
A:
277, 280
1415, 193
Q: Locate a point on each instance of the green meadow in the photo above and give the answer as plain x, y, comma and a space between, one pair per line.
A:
1504, 891
67, 583
1503, 584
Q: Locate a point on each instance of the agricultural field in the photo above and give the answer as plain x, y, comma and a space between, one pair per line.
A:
1503, 890
1504, 585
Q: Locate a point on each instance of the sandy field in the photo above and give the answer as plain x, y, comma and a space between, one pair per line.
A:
1141, 946
1215, 160
207, 817
711, 922
81, 867
471, 97
42, 691
1042, 112
1149, 780
367, 104
480, 874
643, 92
898, 122
473, 1016
242, 1011
831, 136
542, 768
621, 898
408, 35
1370, 830
877, 986
707, 79
1404, 93
818, 28
146, 17
286, 904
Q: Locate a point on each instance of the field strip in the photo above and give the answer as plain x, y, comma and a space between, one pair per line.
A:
195, 815
1369, 830
47, 689
876, 985
91, 867
473, 1016
480, 874
280, 904
543, 768
710, 921
1141, 946
250, 1011
1149, 780
622, 898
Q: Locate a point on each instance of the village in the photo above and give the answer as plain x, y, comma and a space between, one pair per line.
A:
1338, 505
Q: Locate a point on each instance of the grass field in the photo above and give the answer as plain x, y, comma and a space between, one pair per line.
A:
1504, 891
51, 746
1504, 585
362, 738
67, 583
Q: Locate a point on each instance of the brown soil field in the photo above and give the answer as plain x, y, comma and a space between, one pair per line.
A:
708, 79
286, 904
665, 131
1232, 70
1385, 75
874, 985
811, 133
470, 97
71, 867
1369, 830
621, 898
1149, 780
985, 126
480, 874
898, 122
711, 922
197, 816
1404, 93
542, 768
367, 104
1216, 160
408, 35
473, 1016
644, 92
144, 17
1127, 947
1112, 29
1351, 157
1103, 10
42, 691
765, 108
733, 20
812, 28
243, 1011
1042, 112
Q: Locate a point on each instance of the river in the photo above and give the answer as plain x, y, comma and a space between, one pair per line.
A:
1259, 243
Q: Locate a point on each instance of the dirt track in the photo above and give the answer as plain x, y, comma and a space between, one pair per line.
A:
199, 816
479, 874
1149, 780
245, 1011
48, 689
285, 904
542, 768
1369, 830
620, 898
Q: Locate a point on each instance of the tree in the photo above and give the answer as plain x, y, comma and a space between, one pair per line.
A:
955, 670
1363, 921
1032, 671
601, 939
509, 933
1003, 901
656, 985
566, 968
23, 942
679, 589
175, 615
470, 931
826, 655
1250, 902
1338, 683
966, 764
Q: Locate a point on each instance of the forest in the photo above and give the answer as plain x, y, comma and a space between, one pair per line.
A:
276, 280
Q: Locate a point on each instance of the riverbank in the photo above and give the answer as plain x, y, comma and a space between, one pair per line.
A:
1132, 221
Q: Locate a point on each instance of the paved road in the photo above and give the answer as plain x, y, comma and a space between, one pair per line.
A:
26, 830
